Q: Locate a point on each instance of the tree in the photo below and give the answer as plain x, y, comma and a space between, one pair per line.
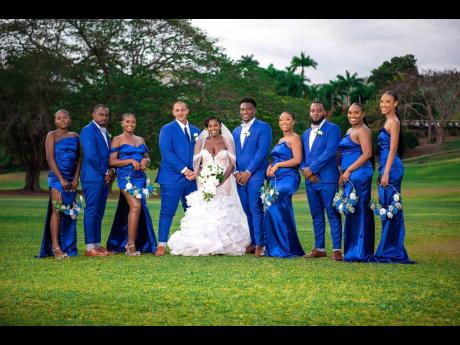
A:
31, 86
393, 70
431, 95
349, 83
303, 62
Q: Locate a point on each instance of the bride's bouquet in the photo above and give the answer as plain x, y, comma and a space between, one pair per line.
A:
210, 177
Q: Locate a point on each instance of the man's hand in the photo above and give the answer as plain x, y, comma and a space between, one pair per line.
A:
245, 176
109, 176
306, 172
191, 176
313, 178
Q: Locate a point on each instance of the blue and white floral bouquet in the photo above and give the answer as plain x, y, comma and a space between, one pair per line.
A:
211, 175
392, 210
141, 193
69, 210
343, 204
268, 194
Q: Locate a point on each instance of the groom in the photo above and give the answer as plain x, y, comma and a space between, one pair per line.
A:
175, 175
95, 178
252, 142
319, 166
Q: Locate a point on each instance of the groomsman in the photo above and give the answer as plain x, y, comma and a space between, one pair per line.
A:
252, 142
175, 175
95, 177
319, 166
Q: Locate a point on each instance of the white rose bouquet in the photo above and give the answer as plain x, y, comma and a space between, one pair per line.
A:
211, 175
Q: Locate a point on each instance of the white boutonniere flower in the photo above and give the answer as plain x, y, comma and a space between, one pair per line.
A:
195, 135
319, 132
247, 133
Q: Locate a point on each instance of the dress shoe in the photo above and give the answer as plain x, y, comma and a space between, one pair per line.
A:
94, 252
259, 251
105, 251
251, 249
160, 251
315, 253
336, 255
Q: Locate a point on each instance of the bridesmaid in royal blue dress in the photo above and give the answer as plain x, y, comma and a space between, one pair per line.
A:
62, 154
357, 170
279, 222
391, 171
132, 228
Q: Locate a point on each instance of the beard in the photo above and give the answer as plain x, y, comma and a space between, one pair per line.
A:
318, 121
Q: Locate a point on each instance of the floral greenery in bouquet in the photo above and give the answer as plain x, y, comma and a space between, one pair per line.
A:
141, 193
392, 210
346, 204
211, 175
268, 194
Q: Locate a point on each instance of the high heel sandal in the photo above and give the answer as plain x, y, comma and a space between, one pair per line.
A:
59, 257
128, 253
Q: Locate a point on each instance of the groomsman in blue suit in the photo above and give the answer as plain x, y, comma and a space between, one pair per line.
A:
253, 140
319, 166
95, 178
175, 175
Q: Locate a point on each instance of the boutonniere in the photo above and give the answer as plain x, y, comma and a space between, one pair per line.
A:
247, 133
318, 131
195, 135
109, 135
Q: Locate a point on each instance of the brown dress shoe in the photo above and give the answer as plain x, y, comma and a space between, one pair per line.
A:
105, 251
251, 249
315, 253
336, 255
259, 251
94, 252
160, 251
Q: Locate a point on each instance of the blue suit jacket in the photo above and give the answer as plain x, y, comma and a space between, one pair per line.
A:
176, 153
253, 156
322, 158
95, 153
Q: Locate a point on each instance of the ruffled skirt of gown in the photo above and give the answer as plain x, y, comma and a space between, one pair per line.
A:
211, 228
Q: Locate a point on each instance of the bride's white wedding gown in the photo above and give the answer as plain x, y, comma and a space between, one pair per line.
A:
216, 227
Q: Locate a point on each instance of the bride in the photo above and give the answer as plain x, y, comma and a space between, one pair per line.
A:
218, 226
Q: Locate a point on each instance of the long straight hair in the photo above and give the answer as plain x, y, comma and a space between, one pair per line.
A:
367, 124
401, 137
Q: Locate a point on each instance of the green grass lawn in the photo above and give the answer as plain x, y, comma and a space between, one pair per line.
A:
221, 290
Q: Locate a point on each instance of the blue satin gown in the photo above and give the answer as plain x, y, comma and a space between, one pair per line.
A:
279, 222
359, 229
391, 247
145, 240
65, 155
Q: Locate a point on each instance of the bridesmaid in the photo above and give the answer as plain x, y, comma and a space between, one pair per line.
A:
132, 227
391, 172
279, 222
62, 153
357, 170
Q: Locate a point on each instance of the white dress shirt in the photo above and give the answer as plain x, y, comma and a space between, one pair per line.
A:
244, 130
104, 133
182, 126
314, 132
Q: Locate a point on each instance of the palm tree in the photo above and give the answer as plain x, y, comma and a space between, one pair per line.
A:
349, 82
303, 62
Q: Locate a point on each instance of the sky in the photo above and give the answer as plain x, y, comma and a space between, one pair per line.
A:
337, 45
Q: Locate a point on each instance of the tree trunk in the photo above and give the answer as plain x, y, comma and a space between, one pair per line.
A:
32, 182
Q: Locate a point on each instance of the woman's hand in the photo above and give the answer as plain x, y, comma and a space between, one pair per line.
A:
136, 164
145, 162
384, 180
273, 170
268, 170
344, 177
65, 185
74, 184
